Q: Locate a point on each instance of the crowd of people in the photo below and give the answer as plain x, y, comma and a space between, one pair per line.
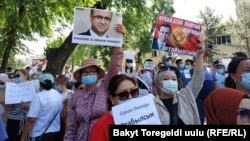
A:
186, 92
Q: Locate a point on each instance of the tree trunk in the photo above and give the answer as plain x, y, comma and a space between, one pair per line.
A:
57, 57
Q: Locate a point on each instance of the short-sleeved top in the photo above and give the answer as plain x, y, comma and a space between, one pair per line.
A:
44, 106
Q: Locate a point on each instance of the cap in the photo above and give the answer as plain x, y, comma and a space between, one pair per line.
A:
4, 77
45, 77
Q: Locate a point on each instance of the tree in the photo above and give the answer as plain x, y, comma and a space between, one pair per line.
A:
242, 26
20, 20
211, 25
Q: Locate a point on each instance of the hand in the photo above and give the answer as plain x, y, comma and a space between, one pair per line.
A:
120, 29
201, 49
24, 105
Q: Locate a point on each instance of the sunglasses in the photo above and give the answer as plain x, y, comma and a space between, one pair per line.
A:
17, 75
2, 83
244, 114
124, 95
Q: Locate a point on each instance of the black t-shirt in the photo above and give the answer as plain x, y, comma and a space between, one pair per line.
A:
173, 111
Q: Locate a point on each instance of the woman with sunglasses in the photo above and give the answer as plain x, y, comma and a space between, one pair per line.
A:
121, 89
179, 107
227, 106
17, 112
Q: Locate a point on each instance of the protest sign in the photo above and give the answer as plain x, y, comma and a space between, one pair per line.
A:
176, 35
136, 111
149, 65
97, 27
16, 93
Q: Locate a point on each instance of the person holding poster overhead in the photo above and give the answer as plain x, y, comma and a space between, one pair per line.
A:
90, 103
121, 89
163, 34
179, 107
100, 21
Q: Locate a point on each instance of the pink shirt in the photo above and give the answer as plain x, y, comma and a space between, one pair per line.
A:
86, 107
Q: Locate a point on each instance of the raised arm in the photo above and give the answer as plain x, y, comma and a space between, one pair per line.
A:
115, 63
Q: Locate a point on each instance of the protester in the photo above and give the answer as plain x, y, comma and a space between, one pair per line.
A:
239, 75
88, 104
179, 107
3, 79
121, 89
60, 85
227, 106
239, 54
44, 113
17, 112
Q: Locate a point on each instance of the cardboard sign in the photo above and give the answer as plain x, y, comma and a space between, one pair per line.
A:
136, 111
97, 27
176, 35
16, 93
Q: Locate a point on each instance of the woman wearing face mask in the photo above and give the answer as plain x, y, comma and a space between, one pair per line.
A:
88, 104
239, 75
121, 89
60, 85
179, 107
17, 112
129, 69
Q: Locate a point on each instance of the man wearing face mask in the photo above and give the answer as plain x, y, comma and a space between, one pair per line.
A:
179, 107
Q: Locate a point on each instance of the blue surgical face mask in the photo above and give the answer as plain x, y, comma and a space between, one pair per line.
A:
182, 66
89, 79
246, 80
220, 71
58, 88
18, 80
187, 67
169, 63
2, 86
170, 86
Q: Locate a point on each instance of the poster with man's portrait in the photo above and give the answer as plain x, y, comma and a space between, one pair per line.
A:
176, 35
97, 27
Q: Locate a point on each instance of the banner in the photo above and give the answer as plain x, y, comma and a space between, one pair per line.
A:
176, 35
136, 111
97, 27
17, 93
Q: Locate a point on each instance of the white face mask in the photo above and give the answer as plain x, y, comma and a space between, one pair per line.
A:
170, 86
121, 102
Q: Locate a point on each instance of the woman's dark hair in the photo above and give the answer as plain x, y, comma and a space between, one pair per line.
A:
114, 83
47, 86
232, 68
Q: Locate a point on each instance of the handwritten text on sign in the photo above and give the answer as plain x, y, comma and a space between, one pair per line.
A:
137, 111
16, 93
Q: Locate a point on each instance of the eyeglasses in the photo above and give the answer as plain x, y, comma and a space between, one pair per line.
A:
98, 17
244, 114
2, 83
125, 94
17, 75
84, 73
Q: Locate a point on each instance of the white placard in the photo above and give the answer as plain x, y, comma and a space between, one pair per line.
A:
137, 111
149, 65
97, 27
187, 73
17, 93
